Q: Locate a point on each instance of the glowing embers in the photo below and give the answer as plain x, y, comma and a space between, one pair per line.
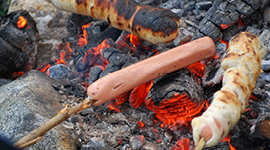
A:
182, 144
135, 40
94, 56
197, 68
83, 39
138, 94
22, 22
136, 97
178, 110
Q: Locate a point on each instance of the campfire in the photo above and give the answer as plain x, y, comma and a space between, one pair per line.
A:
153, 110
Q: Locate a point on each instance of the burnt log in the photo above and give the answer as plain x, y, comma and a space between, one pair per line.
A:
176, 97
19, 43
225, 13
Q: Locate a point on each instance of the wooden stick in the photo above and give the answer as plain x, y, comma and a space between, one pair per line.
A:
37, 134
201, 144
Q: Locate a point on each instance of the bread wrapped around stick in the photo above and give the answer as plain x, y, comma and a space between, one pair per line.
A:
153, 24
242, 65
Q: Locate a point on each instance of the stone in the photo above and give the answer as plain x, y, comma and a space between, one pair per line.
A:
28, 102
136, 142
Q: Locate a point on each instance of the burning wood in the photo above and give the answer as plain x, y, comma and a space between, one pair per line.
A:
176, 98
19, 42
242, 64
156, 25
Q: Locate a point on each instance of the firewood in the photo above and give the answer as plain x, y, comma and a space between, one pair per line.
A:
19, 42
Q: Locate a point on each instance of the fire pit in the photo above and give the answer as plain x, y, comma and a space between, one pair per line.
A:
157, 114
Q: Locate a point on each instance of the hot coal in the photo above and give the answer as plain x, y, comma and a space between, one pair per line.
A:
116, 59
177, 82
18, 44
243, 140
223, 14
96, 39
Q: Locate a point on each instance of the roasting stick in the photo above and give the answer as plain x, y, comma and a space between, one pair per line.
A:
119, 82
37, 134
200, 144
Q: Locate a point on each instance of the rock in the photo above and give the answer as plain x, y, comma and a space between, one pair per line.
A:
149, 146
27, 103
58, 72
136, 142
95, 144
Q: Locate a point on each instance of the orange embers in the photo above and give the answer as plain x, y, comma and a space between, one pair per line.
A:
136, 97
43, 67
225, 26
227, 138
225, 42
66, 47
83, 40
197, 68
178, 110
140, 124
62, 58
94, 56
181, 144
22, 22
135, 40
138, 94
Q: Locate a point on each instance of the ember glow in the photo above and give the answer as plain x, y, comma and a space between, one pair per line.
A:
225, 42
62, 58
225, 26
135, 40
197, 68
66, 47
178, 110
22, 22
43, 67
83, 40
139, 94
94, 56
182, 144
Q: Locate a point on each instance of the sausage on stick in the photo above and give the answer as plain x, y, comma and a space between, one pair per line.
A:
242, 65
153, 24
124, 80
116, 83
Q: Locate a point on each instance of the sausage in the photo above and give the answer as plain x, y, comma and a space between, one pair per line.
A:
242, 65
121, 81
153, 24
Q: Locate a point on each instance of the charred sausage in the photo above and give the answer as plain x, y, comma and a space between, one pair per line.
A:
153, 24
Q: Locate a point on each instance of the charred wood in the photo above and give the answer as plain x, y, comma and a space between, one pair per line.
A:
223, 14
179, 81
18, 44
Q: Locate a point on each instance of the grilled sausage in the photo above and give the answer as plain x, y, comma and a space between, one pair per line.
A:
242, 64
121, 81
156, 25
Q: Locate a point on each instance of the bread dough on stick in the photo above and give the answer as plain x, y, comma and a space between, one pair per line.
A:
124, 80
153, 24
242, 65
